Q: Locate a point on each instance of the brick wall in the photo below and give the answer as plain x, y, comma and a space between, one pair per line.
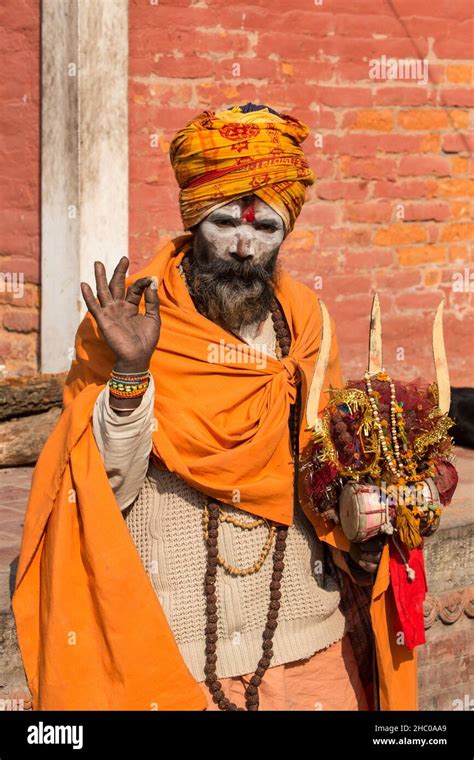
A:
20, 186
391, 207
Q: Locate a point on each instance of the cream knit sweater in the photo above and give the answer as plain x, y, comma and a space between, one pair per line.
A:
164, 517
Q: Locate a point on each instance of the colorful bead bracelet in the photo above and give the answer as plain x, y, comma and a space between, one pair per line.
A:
129, 385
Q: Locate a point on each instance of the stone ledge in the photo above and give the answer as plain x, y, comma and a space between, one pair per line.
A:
29, 409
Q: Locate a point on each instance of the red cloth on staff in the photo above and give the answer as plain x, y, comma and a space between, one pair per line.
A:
409, 594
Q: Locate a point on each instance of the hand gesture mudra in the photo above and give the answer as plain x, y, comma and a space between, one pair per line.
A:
130, 335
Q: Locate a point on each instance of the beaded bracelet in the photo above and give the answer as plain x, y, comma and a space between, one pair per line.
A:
129, 385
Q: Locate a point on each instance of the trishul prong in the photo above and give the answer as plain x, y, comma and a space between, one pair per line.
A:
312, 405
441, 362
375, 363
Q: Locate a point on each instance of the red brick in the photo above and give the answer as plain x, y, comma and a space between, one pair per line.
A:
334, 238
417, 188
323, 167
400, 233
452, 49
460, 188
459, 74
19, 352
419, 300
430, 118
373, 168
420, 212
320, 213
459, 142
458, 231
202, 43
342, 97
169, 66
317, 120
422, 254
424, 165
30, 297
328, 190
457, 97
300, 240
372, 259
444, 9
379, 211
404, 96
311, 71
313, 22
400, 143
396, 280
350, 25
373, 120
358, 48
353, 72
353, 284
286, 45
356, 145
29, 268
19, 320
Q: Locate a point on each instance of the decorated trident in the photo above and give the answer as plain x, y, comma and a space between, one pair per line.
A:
380, 461
375, 363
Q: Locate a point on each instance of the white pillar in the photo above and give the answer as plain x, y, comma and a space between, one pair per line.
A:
84, 180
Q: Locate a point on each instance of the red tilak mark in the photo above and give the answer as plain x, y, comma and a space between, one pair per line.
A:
248, 213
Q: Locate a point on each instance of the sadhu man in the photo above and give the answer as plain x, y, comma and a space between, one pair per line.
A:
169, 558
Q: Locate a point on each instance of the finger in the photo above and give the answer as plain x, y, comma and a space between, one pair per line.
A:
103, 292
369, 566
90, 299
371, 557
152, 302
117, 283
135, 291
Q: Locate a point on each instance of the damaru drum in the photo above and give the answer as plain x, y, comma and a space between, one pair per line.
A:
362, 511
365, 510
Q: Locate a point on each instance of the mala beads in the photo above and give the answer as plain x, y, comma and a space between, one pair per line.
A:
393, 462
212, 523
212, 681
248, 526
401, 471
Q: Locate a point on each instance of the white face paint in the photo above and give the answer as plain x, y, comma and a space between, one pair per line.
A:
247, 228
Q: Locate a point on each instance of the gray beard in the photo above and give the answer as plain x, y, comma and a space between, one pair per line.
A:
232, 294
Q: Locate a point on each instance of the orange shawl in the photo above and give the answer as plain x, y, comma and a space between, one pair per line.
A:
83, 601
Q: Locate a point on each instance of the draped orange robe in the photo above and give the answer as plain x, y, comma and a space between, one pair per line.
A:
91, 629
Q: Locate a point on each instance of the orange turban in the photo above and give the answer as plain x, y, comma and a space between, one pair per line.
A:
219, 157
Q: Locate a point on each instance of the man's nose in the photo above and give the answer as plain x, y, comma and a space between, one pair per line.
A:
245, 243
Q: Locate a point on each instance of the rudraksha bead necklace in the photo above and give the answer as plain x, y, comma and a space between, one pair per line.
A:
212, 520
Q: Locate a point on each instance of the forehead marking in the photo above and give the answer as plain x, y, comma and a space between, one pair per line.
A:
248, 212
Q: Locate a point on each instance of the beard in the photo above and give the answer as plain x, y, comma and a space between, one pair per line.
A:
232, 293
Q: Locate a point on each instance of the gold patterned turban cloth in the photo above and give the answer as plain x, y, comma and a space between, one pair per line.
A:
222, 156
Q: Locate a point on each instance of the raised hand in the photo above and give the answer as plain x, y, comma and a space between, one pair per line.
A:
130, 335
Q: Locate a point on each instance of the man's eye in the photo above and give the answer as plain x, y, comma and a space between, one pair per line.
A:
266, 227
224, 222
